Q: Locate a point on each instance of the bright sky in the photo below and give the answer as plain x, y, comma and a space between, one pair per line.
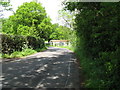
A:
51, 6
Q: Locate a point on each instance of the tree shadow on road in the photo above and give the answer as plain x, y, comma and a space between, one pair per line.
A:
49, 72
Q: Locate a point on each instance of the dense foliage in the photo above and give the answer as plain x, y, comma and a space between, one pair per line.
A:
26, 27
29, 19
98, 46
60, 32
12, 43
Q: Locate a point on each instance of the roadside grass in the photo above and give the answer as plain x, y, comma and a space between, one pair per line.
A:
92, 73
23, 53
41, 50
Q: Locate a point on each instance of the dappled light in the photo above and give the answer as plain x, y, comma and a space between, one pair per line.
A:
51, 70
25, 33
91, 30
53, 77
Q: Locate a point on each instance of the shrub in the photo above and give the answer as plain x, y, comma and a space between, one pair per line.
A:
28, 52
31, 42
19, 42
15, 54
18, 54
35, 43
98, 44
12, 43
24, 52
7, 44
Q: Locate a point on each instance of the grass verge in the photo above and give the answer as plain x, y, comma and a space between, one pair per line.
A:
23, 53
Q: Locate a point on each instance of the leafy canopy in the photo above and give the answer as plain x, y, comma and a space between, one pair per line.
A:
29, 19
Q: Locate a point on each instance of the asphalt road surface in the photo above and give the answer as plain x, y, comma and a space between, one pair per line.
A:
53, 68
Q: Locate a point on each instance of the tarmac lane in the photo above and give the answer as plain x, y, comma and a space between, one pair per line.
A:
53, 68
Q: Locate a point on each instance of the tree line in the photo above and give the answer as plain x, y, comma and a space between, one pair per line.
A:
97, 28
25, 31
31, 19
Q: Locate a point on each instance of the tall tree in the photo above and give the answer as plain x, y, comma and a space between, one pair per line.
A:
28, 20
45, 28
60, 32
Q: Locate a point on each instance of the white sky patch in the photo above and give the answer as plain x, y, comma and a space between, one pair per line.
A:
16, 3
51, 6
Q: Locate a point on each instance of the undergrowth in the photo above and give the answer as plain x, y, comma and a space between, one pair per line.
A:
24, 52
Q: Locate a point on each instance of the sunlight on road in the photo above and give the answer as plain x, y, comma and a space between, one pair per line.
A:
48, 69
42, 68
53, 77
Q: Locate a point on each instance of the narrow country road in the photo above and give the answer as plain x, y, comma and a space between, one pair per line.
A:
53, 68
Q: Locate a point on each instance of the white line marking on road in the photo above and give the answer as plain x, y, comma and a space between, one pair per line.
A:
68, 73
